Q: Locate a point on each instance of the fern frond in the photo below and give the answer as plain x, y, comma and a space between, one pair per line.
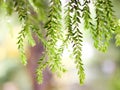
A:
20, 43
74, 34
42, 64
86, 14
25, 33
104, 21
21, 8
54, 34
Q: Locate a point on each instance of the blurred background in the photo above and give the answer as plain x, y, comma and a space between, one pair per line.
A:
102, 69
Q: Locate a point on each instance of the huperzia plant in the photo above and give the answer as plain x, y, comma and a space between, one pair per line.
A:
45, 17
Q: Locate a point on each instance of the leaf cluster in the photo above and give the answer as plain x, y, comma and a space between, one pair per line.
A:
44, 18
104, 21
73, 15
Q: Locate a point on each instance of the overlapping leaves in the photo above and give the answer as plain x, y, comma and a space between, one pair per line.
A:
104, 21
33, 15
75, 35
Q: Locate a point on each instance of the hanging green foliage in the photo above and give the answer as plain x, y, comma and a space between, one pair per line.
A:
117, 32
74, 34
45, 17
104, 20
